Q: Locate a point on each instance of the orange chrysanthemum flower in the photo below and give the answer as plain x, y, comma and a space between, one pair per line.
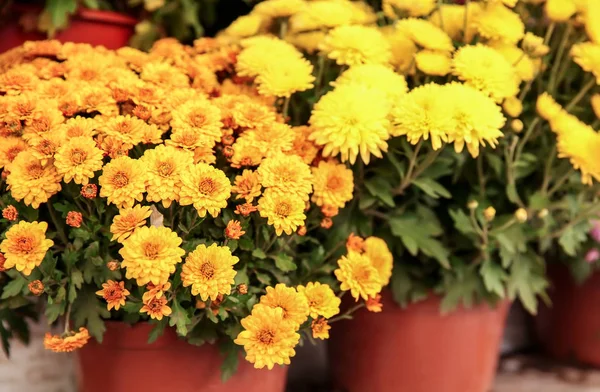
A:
65, 344
333, 184
286, 174
114, 293
357, 274
25, 246
233, 230
156, 308
31, 181
320, 328
78, 159
128, 220
247, 186
10, 147
206, 188
165, 166
245, 209
200, 116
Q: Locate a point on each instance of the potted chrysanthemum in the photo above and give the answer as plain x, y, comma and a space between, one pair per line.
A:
163, 210
470, 226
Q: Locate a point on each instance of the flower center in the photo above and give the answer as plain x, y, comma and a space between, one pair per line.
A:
25, 244
197, 119
362, 275
155, 304
78, 156
75, 131
12, 153
46, 147
124, 127
246, 161
207, 186
120, 179
207, 270
41, 124
35, 171
151, 250
266, 337
334, 183
165, 169
113, 293
283, 209
285, 175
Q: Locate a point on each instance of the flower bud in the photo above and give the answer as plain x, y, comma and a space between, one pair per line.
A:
2, 261
473, 204
543, 213
10, 213
513, 106
592, 255
301, 231
242, 288
326, 223
560, 10
521, 215
516, 125
36, 288
113, 265
489, 214
74, 219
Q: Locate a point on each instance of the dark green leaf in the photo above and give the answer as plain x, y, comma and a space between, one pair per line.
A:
259, 254
462, 222
230, 363
88, 311
493, 277
381, 189
157, 331
573, 237
14, 287
285, 263
179, 318
432, 188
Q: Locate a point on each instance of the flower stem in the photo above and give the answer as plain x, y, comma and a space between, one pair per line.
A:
59, 227
581, 94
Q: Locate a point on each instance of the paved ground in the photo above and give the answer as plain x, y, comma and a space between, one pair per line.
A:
533, 374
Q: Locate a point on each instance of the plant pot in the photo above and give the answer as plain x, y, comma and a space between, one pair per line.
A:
94, 27
125, 362
570, 328
417, 349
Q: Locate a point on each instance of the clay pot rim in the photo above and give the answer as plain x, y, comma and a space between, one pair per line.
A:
87, 14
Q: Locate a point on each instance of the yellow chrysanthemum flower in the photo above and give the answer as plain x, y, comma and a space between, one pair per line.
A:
534, 46
78, 159
150, 255
357, 274
425, 34
547, 107
475, 118
395, 8
284, 212
487, 70
25, 246
45, 146
403, 50
381, 258
323, 15
247, 186
308, 41
581, 143
560, 10
497, 22
123, 182
355, 44
128, 220
246, 153
127, 129
285, 77
423, 114
267, 338
164, 75
279, 8
286, 174
592, 21
31, 181
322, 301
261, 51
206, 187
294, 304
271, 139
352, 119
209, 270
189, 139
375, 76
165, 166
200, 116
433, 62
245, 26
453, 19
78, 126
587, 55
304, 148
333, 183
595, 103
253, 115
10, 147
525, 66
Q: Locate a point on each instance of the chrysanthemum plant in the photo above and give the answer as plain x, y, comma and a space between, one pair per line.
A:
433, 104
166, 187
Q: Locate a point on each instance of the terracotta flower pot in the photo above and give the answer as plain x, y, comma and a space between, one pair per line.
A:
570, 328
416, 349
95, 27
125, 362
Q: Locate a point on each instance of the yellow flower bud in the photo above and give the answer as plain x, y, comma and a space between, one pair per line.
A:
473, 204
521, 215
516, 125
560, 10
489, 214
543, 213
534, 45
513, 106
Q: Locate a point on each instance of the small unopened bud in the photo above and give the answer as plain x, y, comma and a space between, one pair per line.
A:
36, 288
326, 223
513, 106
74, 219
10, 213
521, 215
200, 304
301, 231
543, 213
242, 288
473, 204
2, 261
516, 125
228, 151
489, 214
234, 230
113, 265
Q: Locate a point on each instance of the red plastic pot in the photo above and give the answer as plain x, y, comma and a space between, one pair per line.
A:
417, 349
94, 27
570, 328
125, 362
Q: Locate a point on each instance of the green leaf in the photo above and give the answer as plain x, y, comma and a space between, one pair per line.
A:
495, 163
53, 311
285, 263
462, 222
93, 4
432, 188
460, 285
537, 201
259, 254
418, 237
580, 269
88, 311
511, 193
14, 287
263, 278
573, 237
157, 331
527, 279
381, 189
400, 285
241, 276
232, 245
179, 318
493, 277
246, 244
